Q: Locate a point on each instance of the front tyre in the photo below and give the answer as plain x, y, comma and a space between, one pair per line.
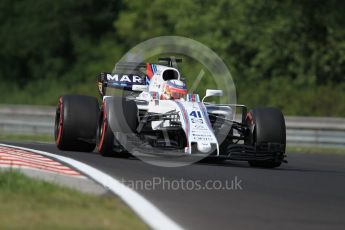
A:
118, 116
267, 128
105, 137
76, 123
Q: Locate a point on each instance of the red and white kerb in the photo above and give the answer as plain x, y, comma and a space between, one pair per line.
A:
16, 158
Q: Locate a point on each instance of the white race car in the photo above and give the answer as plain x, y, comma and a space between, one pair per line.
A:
151, 109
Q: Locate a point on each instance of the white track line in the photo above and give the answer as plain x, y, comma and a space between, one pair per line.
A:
150, 214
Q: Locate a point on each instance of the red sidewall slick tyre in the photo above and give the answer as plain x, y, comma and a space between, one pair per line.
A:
76, 123
105, 136
267, 125
120, 116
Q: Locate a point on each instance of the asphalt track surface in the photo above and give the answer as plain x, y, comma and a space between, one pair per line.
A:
306, 193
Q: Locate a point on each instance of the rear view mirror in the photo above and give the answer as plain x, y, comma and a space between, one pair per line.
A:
213, 93
140, 88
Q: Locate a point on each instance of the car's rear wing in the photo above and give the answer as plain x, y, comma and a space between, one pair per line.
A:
124, 76
127, 74
130, 67
124, 81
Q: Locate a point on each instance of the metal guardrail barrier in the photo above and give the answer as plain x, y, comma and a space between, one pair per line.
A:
24, 119
320, 131
38, 120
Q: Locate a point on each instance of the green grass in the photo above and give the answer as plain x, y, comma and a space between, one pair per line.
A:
26, 203
312, 149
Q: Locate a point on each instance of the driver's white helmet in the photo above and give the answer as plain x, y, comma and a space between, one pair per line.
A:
174, 89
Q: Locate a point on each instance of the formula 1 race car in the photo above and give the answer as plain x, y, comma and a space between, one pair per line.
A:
155, 111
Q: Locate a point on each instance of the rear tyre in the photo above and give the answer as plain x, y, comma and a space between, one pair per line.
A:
118, 116
76, 123
267, 125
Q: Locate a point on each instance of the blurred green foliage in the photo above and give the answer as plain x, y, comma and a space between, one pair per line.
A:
289, 53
